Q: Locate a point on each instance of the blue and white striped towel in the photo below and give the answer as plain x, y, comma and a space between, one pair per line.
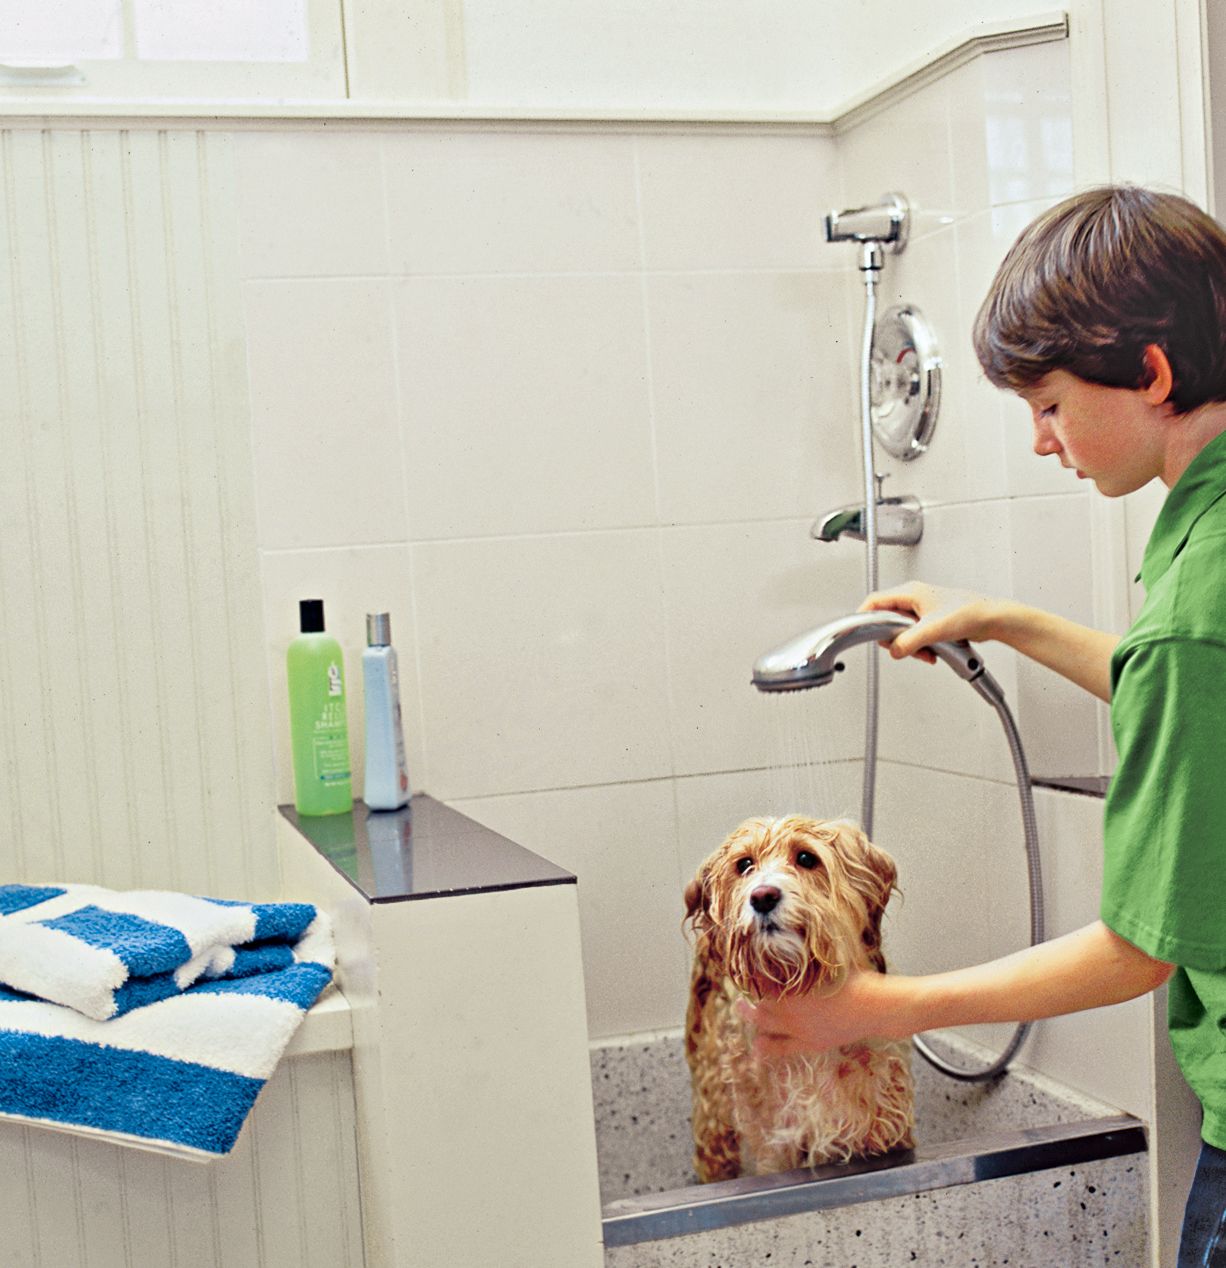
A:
149, 1018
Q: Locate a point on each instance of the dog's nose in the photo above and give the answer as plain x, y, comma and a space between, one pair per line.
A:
765, 898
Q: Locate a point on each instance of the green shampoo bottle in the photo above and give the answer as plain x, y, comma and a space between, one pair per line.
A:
319, 728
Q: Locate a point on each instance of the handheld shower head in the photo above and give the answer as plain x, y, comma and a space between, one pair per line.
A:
812, 659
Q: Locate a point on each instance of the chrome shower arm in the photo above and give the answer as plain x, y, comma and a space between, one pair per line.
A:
887, 222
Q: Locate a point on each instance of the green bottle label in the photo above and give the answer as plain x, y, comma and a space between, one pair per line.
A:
330, 742
319, 731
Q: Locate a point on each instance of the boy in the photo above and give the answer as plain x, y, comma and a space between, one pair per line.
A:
1108, 317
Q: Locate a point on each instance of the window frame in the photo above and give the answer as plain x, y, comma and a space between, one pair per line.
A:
129, 78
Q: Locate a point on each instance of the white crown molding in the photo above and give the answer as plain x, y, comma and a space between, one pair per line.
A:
989, 37
947, 57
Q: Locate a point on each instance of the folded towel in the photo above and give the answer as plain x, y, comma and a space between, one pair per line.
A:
179, 1074
104, 952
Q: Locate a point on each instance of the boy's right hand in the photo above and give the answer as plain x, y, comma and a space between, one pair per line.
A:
943, 615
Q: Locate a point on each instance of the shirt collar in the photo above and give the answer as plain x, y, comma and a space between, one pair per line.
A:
1202, 484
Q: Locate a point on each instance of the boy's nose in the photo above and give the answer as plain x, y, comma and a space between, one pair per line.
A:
1044, 442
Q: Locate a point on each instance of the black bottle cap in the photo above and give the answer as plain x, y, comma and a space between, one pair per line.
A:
311, 615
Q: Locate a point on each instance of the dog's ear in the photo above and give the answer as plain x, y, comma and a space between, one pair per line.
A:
698, 899
874, 876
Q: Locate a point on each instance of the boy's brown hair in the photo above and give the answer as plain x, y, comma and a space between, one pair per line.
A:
1095, 280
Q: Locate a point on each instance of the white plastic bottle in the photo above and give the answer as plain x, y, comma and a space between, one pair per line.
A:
387, 775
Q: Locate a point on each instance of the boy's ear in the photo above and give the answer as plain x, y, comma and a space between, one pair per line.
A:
1159, 378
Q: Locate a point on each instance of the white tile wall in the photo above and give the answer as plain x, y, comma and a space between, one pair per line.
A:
732, 592
958, 844
983, 239
311, 204
1061, 717
1011, 127
997, 520
723, 201
753, 406
541, 662
617, 398
962, 874
928, 716
906, 147
1084, 1050
511, 202
323, 403
966, 457
621, 841
614, 371
524, 404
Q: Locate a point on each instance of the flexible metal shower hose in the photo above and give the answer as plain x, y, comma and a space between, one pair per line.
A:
1030, 829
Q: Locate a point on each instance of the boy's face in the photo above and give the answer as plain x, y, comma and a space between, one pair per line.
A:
1111, 435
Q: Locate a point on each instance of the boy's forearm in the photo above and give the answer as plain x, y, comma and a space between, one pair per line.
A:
1076, 652
1080, 654
1086, 969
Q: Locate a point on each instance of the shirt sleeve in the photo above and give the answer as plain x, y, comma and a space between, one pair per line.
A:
1165, 819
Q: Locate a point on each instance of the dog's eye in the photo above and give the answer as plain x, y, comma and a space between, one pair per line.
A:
743, 865
808, 860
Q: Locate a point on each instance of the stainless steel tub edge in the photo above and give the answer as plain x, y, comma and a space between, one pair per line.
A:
699, 1208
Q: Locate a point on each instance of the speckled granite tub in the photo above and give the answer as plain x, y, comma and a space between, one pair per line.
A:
1085, 1211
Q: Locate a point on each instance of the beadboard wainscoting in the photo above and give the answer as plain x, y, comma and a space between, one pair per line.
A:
135, 748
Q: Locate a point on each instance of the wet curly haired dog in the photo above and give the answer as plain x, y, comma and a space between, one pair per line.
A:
788, 905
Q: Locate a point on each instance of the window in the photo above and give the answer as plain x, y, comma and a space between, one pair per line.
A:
170, 50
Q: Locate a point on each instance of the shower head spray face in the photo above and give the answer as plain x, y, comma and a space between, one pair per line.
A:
812, 659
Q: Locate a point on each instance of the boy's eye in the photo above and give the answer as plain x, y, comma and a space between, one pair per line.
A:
807, 860
743, 866
1047, 411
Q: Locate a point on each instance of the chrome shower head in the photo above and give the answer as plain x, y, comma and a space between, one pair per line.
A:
812, 659
887, 222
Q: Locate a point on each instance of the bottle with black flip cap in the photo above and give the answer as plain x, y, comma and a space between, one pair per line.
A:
319, 725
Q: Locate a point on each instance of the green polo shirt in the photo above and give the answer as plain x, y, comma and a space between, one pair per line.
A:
1164, 880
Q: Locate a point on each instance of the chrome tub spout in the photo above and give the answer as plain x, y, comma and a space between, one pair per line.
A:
900, 522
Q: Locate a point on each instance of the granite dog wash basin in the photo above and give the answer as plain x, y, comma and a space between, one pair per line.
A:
1021, 1171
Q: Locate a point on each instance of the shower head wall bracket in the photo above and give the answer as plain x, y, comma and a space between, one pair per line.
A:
887, 222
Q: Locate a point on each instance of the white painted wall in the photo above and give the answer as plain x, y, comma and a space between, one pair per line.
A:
780, 54
757, 56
